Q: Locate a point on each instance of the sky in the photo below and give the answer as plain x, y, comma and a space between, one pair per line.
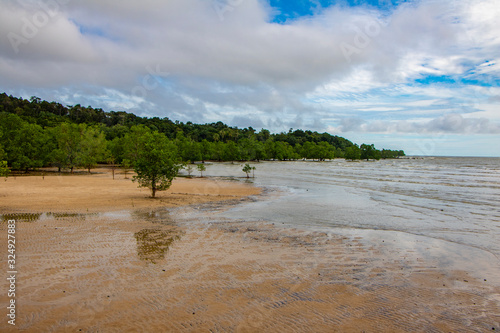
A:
418, 75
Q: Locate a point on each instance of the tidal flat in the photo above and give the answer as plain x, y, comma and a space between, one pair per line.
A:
211, 265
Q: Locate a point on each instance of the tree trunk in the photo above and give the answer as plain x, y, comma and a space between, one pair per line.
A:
153, 187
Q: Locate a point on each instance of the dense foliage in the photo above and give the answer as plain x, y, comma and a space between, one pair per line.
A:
36, 133
157, 163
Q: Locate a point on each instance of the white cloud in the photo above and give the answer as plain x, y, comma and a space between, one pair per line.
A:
449, 123
184, 60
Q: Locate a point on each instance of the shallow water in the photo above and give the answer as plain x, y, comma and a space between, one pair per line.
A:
452, 203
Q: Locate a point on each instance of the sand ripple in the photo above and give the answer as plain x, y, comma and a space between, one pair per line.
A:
105, 274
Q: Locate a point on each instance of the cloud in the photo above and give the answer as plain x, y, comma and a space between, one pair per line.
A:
448, 124
345, 68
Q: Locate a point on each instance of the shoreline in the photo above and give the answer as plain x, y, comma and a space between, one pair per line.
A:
155, 268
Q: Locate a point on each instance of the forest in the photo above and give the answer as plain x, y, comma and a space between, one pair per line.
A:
35, 133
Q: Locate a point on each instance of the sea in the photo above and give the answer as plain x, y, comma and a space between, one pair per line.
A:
441, 207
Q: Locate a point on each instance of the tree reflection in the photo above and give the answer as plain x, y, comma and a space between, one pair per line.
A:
152, 244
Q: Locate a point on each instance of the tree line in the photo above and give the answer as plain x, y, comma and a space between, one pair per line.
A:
36, 133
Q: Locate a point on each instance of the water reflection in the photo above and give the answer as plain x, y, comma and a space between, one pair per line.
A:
25, 217
33, 217
71, 215
153, 244
161, 216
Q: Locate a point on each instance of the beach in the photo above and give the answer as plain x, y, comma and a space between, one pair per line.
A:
99, 192
96, 254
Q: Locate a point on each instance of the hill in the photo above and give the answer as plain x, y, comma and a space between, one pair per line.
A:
36, 133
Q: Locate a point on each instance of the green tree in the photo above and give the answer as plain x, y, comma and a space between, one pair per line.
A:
248, 149
68, 138
247, 169
269, 149
206, 150
189, 168
2, 153
231, 152
260, 152
201, 168
116, 148
369, 152
4, 169
218, 151
157, 164
352, 153
24, 144
93, 147
134, 142
309, 150
324, 151
126, 165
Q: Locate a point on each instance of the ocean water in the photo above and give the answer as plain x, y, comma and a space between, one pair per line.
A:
451, 202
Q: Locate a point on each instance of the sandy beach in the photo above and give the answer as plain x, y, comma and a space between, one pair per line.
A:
97, 255
99, 192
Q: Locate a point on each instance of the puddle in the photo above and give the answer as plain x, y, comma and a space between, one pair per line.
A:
33, 217
156, 216
71, 215
153, 244
24, 217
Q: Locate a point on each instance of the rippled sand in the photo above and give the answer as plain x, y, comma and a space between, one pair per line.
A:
144, 270
98, 274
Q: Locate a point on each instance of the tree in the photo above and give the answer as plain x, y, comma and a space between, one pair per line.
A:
1, 149
24, 143
157, 164
189, 168
126, 164
93, 148
4, 169
352, 153
247, 169
369, 152
68, 138
231, 152
201, 168
134, 142
206, 150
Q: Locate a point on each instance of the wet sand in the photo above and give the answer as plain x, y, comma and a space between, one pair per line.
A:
143, 269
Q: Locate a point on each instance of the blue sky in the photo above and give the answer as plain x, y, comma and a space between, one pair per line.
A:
421, 75
286, 11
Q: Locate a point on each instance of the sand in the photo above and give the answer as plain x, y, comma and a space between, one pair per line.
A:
100, 192
144, 268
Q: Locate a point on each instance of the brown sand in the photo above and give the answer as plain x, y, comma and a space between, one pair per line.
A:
99, 192
145, 272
